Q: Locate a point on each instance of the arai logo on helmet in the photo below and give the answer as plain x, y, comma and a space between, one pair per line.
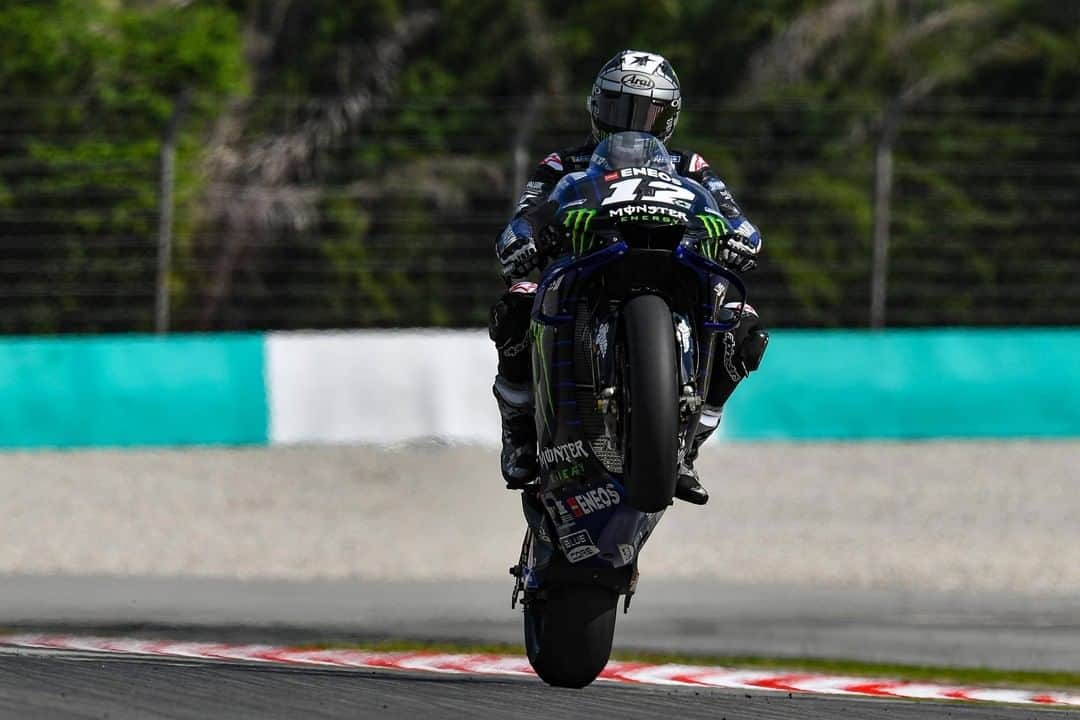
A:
639, 82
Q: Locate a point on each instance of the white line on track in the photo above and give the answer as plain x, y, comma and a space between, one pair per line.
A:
624, 672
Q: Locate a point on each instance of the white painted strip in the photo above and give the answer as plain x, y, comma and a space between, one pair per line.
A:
336, 658
659, 674
736, 679
381, 387
1000, 695
436, 663
502, 665
1066, 699
636, 673
826, 685
923, 691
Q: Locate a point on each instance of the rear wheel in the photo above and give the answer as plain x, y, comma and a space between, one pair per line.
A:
568, 634
651, 424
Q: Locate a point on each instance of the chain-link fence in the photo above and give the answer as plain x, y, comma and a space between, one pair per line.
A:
391, 222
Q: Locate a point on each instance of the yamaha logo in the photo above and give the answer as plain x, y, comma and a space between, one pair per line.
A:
638, 82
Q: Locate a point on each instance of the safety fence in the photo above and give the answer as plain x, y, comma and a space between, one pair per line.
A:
387, 387
971, 221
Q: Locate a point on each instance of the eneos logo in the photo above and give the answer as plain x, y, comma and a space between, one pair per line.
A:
590, 501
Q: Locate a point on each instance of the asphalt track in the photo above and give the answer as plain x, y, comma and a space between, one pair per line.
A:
1011, 632
37, 684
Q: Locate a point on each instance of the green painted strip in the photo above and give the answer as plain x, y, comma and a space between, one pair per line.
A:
132, 391
909, 384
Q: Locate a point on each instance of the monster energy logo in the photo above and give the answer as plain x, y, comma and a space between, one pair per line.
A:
715, 228
578, 221
540, 371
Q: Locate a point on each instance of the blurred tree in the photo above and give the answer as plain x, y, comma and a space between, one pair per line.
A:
88, 88
348, 163
264, 200
877, 61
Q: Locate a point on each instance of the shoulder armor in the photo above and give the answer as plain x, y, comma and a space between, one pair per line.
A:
553, 161
578, 158
688, 163
570, 159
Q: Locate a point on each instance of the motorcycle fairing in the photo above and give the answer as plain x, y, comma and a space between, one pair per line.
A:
595, 527
575, 324
538, 547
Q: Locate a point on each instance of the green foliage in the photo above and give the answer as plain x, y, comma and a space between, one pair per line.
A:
91, 86
408, 197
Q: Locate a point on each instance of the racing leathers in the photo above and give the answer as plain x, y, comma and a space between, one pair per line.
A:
740, 350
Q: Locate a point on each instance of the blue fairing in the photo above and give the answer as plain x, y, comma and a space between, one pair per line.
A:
630, 185
595, 527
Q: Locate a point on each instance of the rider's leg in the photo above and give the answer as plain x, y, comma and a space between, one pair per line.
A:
509, 329
739, 353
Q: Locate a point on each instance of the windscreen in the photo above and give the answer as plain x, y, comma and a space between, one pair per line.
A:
631, 149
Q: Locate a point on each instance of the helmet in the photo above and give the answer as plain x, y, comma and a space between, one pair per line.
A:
635, 91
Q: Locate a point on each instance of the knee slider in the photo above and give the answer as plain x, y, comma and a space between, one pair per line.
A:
744, 347
515, 395
508, 323
753, 348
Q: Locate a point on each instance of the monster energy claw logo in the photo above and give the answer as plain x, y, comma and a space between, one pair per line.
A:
577, 222
538, 343
715, 228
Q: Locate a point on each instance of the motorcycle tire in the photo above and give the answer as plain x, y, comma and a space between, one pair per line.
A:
568, 634
651, 403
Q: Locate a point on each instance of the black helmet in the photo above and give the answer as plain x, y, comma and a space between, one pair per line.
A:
635, 91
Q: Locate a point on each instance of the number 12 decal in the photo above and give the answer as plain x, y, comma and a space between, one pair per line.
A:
663, 192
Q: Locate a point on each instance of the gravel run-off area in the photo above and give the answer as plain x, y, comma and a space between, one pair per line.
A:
939, 516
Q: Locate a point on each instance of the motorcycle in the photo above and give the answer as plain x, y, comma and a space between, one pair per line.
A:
623, 334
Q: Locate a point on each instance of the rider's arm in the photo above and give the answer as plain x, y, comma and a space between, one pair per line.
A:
516, 244
543, 180
744, 245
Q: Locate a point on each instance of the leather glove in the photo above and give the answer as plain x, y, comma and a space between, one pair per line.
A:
741, 246
516, 249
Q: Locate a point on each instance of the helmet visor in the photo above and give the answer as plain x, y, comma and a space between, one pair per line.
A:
619, 111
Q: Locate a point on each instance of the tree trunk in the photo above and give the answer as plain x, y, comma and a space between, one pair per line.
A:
883, 183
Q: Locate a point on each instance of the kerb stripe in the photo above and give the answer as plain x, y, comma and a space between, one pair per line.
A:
465, 663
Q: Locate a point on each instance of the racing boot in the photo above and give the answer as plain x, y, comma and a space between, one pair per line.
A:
688, 487
518, 459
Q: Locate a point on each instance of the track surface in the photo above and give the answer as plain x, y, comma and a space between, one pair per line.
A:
54, 685
632, 673
974, 630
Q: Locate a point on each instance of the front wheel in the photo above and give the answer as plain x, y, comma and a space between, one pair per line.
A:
651, 385
568, 634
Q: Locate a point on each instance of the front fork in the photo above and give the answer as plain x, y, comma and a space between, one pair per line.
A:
606, 378
536, 548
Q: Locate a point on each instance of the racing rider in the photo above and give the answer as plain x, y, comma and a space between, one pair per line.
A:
633, 91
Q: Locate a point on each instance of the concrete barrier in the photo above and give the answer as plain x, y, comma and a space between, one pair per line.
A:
388, 387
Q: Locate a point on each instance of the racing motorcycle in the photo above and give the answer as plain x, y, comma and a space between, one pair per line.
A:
624, 326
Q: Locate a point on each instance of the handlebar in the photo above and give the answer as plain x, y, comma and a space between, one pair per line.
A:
587, 263
702, 264
682, 254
